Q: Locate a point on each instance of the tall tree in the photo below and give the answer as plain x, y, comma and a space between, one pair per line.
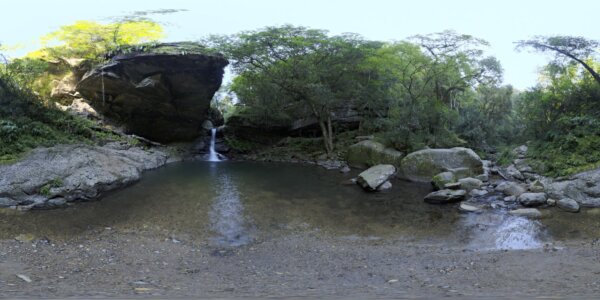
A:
296, 68
575, 48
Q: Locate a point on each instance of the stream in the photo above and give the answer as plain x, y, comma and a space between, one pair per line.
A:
232, 204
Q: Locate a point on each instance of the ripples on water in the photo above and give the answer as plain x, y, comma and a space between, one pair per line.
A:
227, 215
493, 231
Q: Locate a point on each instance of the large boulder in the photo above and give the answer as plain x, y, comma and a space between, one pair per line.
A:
369, 153
49, 177
584, 188
532, 199
163, 94
375, 176
422, 165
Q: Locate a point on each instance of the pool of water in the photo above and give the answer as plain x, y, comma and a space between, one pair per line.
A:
237, 203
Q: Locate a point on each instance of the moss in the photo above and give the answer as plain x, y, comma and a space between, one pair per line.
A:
54, 183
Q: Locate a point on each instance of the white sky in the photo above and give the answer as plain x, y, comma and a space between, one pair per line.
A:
499, 22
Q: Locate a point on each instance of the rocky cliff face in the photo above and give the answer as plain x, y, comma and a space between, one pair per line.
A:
163, 95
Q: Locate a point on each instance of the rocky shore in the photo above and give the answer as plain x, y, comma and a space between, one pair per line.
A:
53, 177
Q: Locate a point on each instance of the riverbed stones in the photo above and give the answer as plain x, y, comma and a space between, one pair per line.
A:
7, 202
568, 204
477, 192
532, 199
422, 165
521, 151
384, 187
375, 176
445, 196
368, 153
452, 186
468, 207
584, 188
510, 188
469, 183
513, 172
440, 180
533, 213
536, 187
510, 199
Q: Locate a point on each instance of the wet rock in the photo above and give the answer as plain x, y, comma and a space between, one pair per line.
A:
469, 183
536, 187
369, 153
375, 176
422, 165
477, 192
7, 202
386, 186
568, 204
452, 186
483, 177
533, 213
584, 188
48, 177
510, 199
510, 188
467, 207
514, 173
532, 199
344, 169
445, 196
551, 202
440, 180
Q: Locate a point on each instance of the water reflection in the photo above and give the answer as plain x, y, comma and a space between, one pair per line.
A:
496, 231
227, 215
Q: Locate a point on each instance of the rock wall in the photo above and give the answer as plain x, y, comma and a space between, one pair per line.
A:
163, 95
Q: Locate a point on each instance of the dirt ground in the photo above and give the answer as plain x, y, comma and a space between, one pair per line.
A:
109, 263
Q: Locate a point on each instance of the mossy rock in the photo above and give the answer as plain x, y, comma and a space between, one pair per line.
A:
423, 165
370, 153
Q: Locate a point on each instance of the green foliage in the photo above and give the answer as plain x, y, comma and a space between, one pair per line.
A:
304, 72
54, 183
90, 40
25, 123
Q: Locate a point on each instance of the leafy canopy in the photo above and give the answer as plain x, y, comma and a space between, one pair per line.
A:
90, 40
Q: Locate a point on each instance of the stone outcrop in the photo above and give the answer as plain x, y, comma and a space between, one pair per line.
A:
369, 153
584, 188
50, 177
163, 94
422, 165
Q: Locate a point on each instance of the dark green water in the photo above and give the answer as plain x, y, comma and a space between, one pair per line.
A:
235, 203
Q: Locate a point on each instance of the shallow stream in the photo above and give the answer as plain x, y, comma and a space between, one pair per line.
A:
231, 204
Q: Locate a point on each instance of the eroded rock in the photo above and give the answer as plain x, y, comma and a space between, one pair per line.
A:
422, 165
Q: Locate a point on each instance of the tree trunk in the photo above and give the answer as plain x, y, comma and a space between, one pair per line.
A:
326, 137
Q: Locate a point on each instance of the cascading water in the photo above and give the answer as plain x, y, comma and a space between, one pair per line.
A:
212, 154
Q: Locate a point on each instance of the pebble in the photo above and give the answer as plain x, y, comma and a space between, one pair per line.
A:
24, 278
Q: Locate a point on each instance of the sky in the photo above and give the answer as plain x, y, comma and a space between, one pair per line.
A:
501, 23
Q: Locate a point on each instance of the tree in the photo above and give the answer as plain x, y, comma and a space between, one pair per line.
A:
296, 69
574, 48
90, 40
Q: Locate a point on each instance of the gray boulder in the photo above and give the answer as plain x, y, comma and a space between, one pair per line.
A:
73, 173
568, 204
469, 183
445, 196
440, 180
422, 165
513, 172
533, 199
162, 94
375, 176
584, 188
510, 188
384, 187
369, 153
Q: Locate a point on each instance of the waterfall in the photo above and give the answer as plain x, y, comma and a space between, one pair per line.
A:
213, 155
